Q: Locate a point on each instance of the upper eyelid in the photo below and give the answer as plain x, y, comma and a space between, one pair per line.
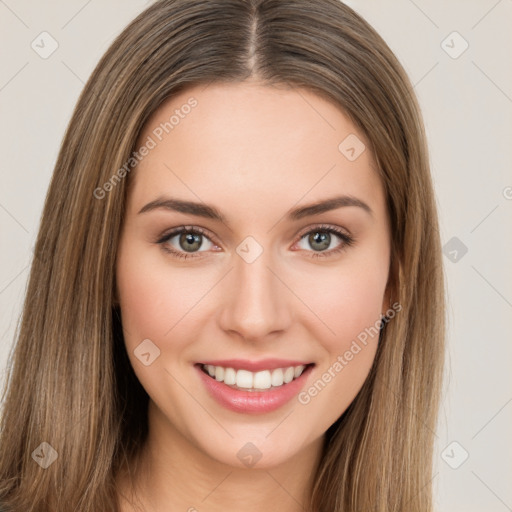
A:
185, 229
324, 227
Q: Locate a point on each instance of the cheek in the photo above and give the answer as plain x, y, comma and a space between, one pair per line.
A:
158, 301
142, 299
145, 297
350, 311
348, 301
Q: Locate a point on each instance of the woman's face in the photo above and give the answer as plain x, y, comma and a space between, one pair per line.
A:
260, 280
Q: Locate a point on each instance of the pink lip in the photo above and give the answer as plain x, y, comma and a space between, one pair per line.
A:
253, 402
255, 366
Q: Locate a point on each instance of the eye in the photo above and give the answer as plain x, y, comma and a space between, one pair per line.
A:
184, 242
322, 240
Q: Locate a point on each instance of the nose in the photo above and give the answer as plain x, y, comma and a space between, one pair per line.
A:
255, 303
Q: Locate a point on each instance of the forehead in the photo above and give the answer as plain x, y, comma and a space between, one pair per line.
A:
256, 143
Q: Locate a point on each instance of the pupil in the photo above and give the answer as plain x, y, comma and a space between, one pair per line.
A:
322, 238
190, 238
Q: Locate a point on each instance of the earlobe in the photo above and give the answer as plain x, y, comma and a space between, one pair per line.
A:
115, 299
390, 292
385, 302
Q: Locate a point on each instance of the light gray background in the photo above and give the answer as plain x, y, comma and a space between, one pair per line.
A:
467, 104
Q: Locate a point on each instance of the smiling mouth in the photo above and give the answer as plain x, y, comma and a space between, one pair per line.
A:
245, 380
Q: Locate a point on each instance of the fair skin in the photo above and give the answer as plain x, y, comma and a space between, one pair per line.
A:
254, 153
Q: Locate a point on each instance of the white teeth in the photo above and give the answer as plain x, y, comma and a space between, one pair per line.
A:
262, 380
230, 377
244, 379
219, 373
277, 377
288, 374
254, 380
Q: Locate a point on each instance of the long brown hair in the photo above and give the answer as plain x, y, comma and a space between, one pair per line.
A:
70, 383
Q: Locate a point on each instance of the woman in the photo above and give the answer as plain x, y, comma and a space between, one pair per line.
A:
237, 294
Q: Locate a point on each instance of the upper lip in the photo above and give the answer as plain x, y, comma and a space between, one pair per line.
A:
255, 366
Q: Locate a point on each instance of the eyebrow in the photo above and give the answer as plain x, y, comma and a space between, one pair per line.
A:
210, 212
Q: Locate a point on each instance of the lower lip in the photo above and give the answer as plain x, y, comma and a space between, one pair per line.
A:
253, 402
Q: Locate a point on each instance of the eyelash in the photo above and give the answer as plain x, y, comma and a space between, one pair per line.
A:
347, 240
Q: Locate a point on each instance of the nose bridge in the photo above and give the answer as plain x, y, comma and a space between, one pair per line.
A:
257, 304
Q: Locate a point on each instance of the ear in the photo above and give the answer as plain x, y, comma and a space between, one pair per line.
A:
386, 301
391, 286
115, 297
